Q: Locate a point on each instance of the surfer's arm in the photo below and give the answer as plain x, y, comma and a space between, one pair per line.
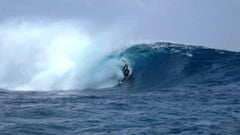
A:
124, 68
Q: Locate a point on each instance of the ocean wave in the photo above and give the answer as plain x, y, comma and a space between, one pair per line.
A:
163, 64
152, 66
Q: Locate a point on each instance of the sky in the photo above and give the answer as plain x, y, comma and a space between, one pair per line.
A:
54, 44
211, 23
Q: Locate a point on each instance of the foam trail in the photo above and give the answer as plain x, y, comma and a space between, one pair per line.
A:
47, 56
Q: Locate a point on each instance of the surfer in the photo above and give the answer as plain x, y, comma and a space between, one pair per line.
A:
125, 72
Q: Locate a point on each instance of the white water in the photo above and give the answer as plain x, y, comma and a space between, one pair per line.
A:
45, 56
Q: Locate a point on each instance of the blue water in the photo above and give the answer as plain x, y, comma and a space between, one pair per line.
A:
173, 89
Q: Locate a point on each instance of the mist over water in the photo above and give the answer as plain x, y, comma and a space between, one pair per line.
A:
53, 55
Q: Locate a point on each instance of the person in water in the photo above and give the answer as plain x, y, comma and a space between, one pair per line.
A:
125, 72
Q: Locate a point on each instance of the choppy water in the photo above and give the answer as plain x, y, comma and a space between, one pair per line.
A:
190, 110
173, 89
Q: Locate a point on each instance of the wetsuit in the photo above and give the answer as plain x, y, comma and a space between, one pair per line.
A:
125, 72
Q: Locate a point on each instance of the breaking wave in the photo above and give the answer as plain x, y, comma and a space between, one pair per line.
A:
60, 57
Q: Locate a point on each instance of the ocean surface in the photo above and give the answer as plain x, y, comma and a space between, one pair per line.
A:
172, 89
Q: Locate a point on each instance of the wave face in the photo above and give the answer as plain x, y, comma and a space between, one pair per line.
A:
152, 66
163, 65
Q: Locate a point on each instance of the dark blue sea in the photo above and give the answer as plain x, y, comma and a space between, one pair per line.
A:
173, 89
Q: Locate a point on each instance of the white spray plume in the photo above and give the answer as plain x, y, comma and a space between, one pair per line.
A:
45, 56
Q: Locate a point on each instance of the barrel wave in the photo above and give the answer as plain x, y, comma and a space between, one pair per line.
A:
164, 65
152, 66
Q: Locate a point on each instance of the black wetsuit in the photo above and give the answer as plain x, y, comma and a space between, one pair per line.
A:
125, 72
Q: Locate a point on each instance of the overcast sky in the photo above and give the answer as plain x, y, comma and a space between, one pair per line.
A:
212, 23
